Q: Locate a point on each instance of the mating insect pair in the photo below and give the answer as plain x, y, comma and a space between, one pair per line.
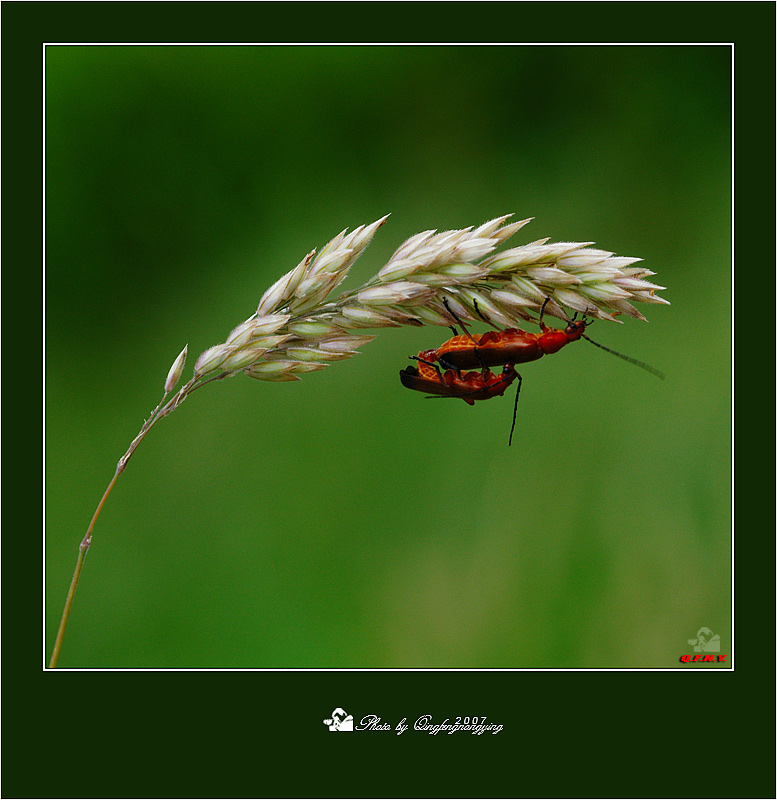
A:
493, 348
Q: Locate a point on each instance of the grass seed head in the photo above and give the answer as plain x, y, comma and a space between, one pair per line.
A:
298, 327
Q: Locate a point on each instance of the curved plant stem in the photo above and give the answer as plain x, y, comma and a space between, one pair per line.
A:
83, 548
158, 413
161, 411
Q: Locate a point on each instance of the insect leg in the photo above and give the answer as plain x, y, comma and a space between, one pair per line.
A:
430, 364
543, 326
457, 318
464, 328
515, 409
482, 316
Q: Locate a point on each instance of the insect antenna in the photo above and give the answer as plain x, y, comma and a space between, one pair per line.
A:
640, 364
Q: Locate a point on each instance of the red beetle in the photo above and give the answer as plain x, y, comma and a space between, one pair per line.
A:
514, 346
469, 386
511, 346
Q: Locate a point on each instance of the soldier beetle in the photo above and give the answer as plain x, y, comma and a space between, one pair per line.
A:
469, 386
513, 345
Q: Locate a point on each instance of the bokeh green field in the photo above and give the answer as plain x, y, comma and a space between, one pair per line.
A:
343, 521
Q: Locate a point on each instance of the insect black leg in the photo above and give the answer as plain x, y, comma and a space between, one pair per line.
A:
481, 315
430, 364
445, 364
542, 312
458, 319
464, 328
515, 410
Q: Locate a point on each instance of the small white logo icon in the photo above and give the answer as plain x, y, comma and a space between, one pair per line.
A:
340, 721
705, 642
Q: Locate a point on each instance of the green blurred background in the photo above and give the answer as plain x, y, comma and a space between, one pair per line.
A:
342, 521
